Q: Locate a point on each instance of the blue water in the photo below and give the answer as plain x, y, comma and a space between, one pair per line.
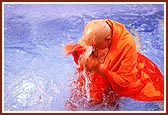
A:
36, 73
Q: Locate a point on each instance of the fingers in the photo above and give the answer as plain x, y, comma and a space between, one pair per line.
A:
67, 50
91, 64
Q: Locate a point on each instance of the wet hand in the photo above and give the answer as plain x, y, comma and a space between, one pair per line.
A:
68, 48
92, 64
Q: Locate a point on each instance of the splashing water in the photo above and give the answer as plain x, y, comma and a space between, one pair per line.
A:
85, 94
37, 75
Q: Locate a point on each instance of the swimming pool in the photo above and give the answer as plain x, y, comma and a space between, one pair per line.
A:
36, 73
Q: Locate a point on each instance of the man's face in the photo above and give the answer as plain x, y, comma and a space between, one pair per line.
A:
96, 34
102, 43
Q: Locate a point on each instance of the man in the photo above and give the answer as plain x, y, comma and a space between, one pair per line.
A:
114, 62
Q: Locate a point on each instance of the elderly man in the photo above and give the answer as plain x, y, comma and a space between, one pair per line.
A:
114, 62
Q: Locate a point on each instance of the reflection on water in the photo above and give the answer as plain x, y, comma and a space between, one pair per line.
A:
37, 75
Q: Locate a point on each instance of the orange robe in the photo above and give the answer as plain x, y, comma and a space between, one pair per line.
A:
129, 73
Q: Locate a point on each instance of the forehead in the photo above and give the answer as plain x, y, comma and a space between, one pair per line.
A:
89, 36
95, 32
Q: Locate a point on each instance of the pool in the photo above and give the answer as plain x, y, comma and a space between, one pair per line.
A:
36, 73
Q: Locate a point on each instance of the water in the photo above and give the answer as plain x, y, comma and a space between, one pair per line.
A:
36, 73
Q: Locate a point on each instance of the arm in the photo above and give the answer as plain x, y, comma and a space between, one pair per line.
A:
126, 72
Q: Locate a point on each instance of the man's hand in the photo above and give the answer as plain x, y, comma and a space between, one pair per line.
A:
69, 48
92, 64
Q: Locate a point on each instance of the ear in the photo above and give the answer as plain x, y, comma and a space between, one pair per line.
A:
108, 38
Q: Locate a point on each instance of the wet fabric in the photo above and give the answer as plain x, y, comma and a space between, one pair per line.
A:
129, 73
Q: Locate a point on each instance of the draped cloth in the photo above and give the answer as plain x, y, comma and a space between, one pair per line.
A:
129, 73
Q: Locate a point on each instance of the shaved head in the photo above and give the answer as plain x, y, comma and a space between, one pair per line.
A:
95, 32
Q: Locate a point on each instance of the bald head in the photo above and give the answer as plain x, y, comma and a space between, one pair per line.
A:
96, 31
